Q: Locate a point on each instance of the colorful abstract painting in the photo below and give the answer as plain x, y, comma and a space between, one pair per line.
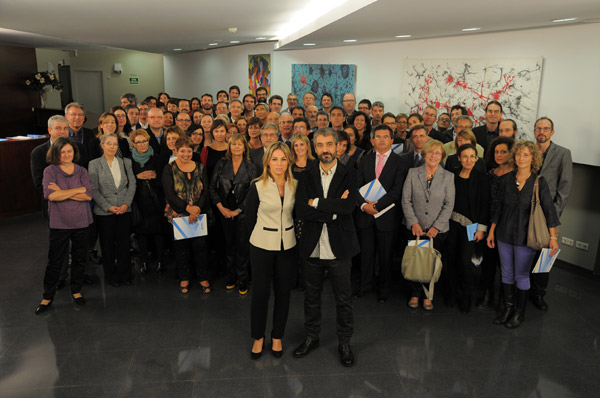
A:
259, 72
336, 80
514, 82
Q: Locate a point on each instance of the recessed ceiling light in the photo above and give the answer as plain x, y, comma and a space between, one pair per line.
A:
234, 41
403, 36
349, 40
213, 44
470, 29
177, 49
309, 44
261, 38
564, 20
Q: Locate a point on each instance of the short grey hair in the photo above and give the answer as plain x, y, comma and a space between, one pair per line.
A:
463, 117
74, 105
325, 131
130, 97
56, 118
104, 137
270, 126
379, 104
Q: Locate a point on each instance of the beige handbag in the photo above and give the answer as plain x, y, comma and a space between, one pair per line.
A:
422, 264
538, 235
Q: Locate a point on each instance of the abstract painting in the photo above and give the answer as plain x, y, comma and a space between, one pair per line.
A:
259, 72
336, 80
472, 83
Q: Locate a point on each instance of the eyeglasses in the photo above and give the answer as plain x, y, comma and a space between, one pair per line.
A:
144, 142
111, 143
544, 129
184, 120
299, 128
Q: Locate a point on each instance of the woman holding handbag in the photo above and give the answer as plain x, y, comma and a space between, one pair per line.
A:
427, 202
518, 191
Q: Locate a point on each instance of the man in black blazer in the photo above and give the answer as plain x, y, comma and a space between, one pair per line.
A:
487, 132
378, 232
269, 133
75, 115
325, 199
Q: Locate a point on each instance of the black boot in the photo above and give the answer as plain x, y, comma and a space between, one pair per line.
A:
160, 268
509, 304
519, 315
144, 268
486, 300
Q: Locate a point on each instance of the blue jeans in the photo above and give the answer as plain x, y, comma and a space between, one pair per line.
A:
515, 263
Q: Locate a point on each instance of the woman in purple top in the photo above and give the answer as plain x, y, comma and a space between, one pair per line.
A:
69, 191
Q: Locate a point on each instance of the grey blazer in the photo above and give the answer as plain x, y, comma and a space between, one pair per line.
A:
106, 193
429, 209
557, 169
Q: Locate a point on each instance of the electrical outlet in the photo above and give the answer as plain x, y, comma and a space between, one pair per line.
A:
582, 245
567, 241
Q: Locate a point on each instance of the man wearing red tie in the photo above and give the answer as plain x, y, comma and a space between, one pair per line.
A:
377, 231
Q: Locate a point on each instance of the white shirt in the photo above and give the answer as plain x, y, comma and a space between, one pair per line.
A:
115, 171
323, 249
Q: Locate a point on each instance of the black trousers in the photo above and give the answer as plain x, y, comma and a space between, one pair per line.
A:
114, 231
460, 269
237, 243
58, 253
489, 265
373, 240
539, 281
338, 272
416, 288
191, 258
281, 267
159, 245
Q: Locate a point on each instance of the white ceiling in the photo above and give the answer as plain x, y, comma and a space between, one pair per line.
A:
161, 26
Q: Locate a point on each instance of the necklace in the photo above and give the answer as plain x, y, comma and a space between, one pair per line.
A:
523, 180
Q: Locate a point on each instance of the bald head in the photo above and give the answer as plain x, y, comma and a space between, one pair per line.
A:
155, 118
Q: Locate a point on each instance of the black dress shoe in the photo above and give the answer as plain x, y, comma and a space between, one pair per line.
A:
79, 300
277, 354
127, 283
381, 299
307, 346
346, 355
255, 355
87, 280
61, 284
144, 268
115, 284
160, 268
539, 302
43, 308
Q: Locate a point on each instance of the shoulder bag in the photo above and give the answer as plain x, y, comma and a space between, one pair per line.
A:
422, 264
538, 235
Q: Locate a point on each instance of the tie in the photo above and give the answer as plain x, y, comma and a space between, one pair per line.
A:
379, 167
417, 159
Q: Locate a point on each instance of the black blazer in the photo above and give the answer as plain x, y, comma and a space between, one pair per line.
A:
224, 181
256, 157
481, 135
392, 180
453, 164
479, 197
342, 234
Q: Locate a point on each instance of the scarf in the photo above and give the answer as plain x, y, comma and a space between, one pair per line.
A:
142, 158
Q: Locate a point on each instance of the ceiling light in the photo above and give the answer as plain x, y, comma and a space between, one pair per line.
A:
564, 20
232, 30
213, 44
234, 41
177, 49
309, 44
349, 40
403, 36
470, 29
310, 12
261, 38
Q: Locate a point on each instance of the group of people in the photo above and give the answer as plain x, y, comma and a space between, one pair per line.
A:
279, 191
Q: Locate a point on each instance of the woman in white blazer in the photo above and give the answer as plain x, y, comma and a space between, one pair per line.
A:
113, 182
427, 202
269, 206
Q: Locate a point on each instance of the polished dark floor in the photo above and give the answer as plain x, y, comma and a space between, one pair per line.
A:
148, 340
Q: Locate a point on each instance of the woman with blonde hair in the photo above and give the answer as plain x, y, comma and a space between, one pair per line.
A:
269, 207
302, 157
510, 223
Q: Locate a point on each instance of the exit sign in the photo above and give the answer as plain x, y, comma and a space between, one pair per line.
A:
134, 79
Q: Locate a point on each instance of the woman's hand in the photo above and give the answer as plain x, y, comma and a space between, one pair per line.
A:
554, 246
234, 213
479, 236
146, 175
345, 194
54, 187
417, 230
113, 209
193, 211
432, 233
490, 240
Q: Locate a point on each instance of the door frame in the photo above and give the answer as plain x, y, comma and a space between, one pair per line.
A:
76, 89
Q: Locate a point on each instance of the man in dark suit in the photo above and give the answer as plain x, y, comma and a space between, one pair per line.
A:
429, 119
268, 135
379, 233
487, 132
413, 158
286, 122
325, 199
557, 169
156, 131
75, 115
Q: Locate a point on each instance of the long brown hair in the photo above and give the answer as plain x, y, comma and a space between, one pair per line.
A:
266, 174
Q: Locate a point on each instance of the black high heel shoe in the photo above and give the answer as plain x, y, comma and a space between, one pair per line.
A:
79, 300
276, 354
255, 355
43, 308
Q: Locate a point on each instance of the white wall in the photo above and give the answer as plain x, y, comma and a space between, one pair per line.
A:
570, 79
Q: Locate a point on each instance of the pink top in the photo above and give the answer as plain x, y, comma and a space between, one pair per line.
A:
68, 214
